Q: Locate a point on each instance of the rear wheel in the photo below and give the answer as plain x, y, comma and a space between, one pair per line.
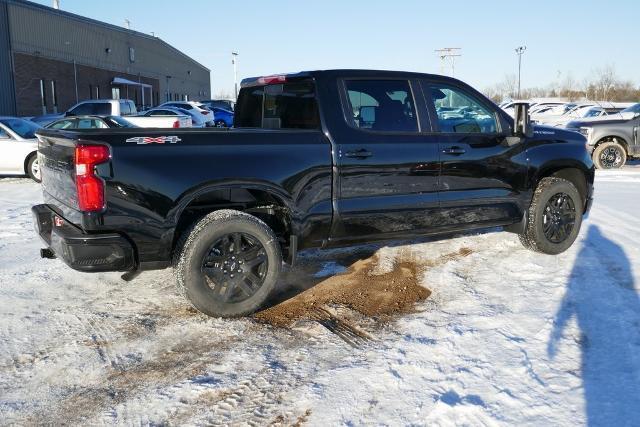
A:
609, 155
33, 168
554, 217
228, 264
221, 124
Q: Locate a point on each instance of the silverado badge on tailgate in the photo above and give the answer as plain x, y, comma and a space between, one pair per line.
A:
154, 139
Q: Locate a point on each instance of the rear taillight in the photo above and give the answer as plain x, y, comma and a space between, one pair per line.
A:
90, 187
176, 124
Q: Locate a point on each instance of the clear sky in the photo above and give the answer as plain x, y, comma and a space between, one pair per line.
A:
562, 36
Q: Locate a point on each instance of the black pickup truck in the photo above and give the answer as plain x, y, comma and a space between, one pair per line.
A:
316, 159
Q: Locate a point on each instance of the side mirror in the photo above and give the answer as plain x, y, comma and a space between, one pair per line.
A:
522, 126
69, 114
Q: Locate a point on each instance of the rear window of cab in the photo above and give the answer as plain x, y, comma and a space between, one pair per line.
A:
278, 106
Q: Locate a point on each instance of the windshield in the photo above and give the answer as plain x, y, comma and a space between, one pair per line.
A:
118, 122
24, 128
635, 109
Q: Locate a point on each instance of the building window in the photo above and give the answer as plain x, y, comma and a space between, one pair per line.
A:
43, 95
132, 54
115, 93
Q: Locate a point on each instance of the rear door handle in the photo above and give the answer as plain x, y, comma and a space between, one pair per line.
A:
455, 151
359, 154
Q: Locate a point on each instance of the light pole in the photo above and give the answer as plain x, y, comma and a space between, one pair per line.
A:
234, 61
520, 51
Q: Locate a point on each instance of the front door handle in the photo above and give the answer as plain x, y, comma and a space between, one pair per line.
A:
359, 154
455, 151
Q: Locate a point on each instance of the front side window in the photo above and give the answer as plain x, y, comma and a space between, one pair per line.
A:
381, 105
3, 134
279, 106
459, 112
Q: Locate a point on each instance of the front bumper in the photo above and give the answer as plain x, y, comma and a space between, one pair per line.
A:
79, 250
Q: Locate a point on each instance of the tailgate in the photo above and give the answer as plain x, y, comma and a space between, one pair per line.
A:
56, 151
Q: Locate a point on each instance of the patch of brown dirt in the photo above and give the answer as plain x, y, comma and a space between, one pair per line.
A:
373, 295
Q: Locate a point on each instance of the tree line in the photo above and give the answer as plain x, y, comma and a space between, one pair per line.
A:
602, 85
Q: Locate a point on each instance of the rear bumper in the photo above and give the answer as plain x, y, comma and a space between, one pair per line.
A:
81, 251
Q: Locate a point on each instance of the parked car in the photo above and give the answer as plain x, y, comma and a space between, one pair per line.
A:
611, 139
369, 160
207, 115
19, 148
90, 122
156, 119
225, 104
224, 118
171, 113
93, 107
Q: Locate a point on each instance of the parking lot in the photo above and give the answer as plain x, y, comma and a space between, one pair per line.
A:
468, 330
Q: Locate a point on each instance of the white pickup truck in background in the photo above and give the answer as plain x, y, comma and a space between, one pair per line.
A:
124, 108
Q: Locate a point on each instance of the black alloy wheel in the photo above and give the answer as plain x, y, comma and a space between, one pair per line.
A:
235, 267
559, 218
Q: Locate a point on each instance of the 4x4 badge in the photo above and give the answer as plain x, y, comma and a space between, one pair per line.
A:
154, 139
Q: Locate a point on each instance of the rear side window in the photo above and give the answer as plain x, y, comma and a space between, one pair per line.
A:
381, 105
279, 106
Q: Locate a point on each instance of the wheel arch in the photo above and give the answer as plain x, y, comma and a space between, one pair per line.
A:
266, 201
26, 161
576, 173
613, 138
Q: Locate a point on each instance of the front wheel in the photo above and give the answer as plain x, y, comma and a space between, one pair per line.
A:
221, 124
609, 155
228, 263
33, 168
554, 217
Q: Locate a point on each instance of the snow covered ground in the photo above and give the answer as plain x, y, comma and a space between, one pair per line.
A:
506, 337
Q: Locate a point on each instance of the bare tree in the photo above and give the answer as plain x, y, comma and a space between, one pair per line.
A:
604, 80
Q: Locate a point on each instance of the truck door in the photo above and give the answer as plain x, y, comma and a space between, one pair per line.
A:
388, 162
481, 174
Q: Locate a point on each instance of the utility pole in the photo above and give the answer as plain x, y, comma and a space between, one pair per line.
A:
234, 61
520, 51
448, 54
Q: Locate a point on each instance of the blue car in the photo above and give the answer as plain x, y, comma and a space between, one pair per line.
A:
223, 118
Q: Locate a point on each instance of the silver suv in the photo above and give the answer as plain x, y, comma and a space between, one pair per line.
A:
611, 139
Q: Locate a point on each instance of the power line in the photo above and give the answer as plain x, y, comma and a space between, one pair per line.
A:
448, 54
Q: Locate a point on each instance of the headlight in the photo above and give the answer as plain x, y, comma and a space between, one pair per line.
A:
585, 131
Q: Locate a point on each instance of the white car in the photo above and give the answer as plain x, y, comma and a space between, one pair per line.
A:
19, 148
197, 107
196, 119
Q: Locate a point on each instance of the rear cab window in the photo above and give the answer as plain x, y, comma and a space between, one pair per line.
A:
289, 105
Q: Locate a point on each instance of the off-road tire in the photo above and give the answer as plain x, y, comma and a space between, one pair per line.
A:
195, 243
602, 148
33, 159
533, 237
